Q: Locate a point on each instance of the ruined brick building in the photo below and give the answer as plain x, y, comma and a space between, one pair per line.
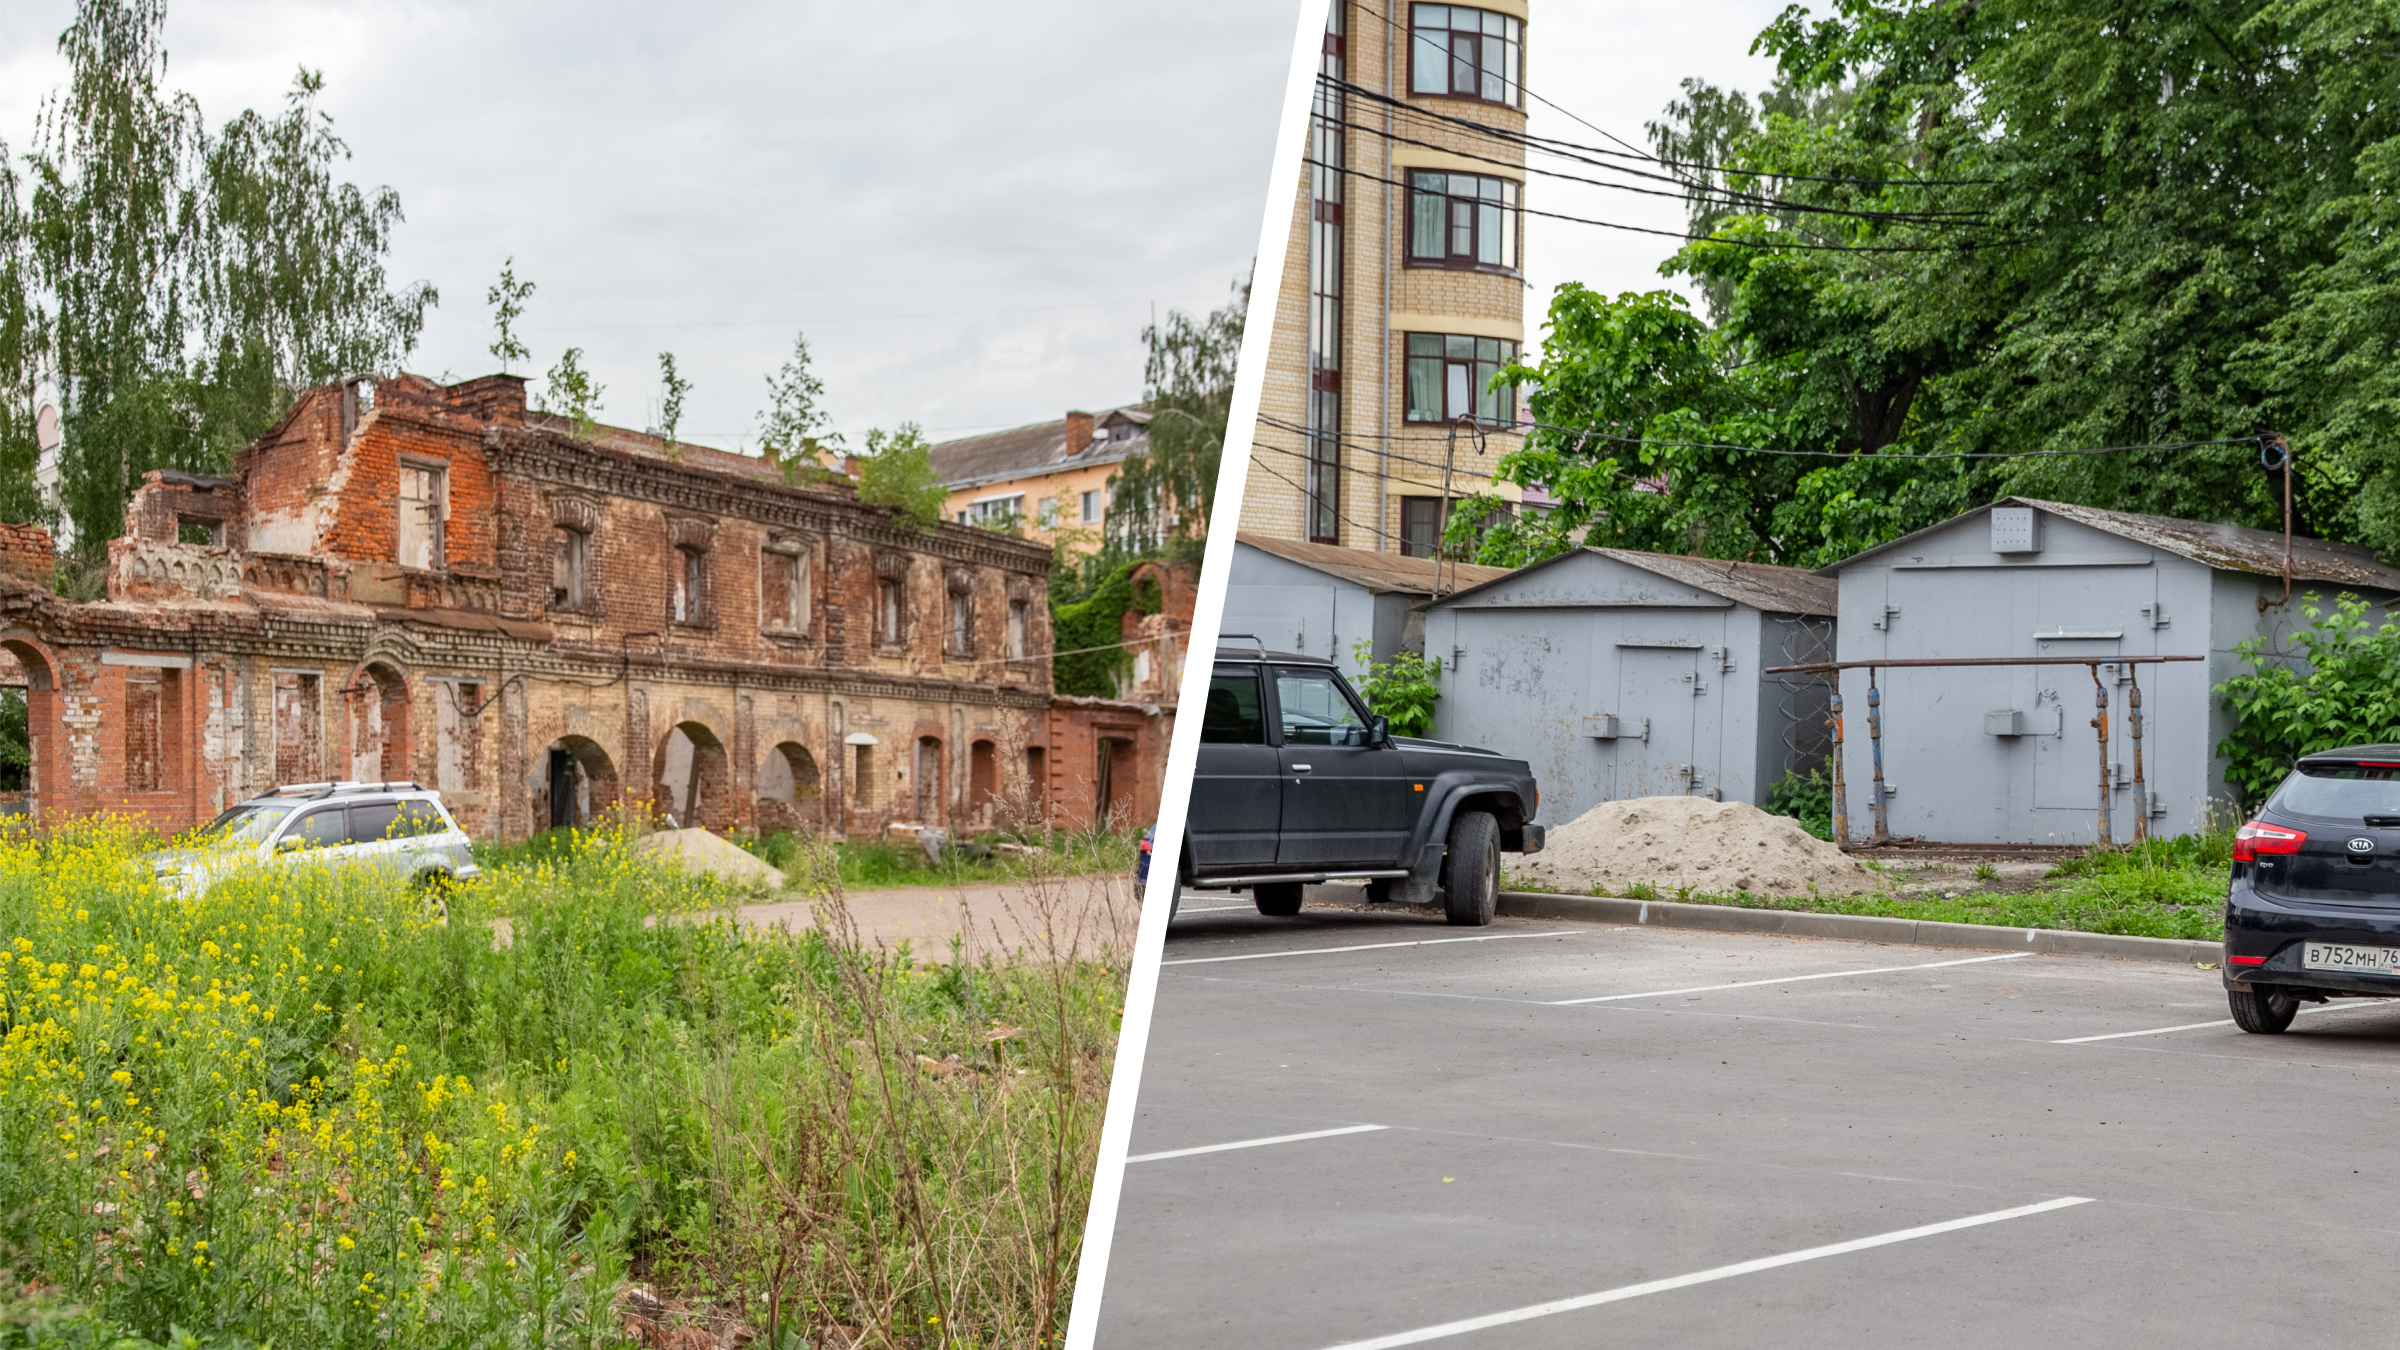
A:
410, 581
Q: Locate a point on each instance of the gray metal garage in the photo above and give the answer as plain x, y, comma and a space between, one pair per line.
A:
1322, 600
2008, 754
1624, 674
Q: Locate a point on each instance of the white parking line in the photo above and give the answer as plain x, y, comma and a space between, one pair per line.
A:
1787, 979
1623, 1292
2197, 1026
1363, 947
1254, 1143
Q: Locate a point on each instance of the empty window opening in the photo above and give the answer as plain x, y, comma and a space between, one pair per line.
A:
962, 622
691, 584
570, 569
862, 774
192, 530
1020, 619
458, 719
929, 781
299, 727
424, 511
783, 581
890, 610
145, 730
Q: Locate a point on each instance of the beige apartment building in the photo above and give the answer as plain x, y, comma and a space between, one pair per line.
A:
1403, 288
1049, 482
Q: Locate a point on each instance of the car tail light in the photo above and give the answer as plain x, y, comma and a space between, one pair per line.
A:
2259, 837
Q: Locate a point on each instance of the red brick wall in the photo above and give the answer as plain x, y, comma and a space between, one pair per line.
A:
27, 553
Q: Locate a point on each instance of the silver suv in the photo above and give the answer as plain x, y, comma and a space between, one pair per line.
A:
398, 828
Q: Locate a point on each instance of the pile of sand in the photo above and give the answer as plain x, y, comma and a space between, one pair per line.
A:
699, 851
1713, 848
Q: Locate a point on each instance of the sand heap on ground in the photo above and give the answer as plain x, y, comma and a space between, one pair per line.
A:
700, 851
1674, 843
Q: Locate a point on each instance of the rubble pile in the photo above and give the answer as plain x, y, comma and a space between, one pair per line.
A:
1692, 843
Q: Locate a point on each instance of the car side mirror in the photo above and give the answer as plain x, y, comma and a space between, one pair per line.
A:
290, 843
1379, 731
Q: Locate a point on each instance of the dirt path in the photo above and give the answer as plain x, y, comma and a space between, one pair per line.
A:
1088, 913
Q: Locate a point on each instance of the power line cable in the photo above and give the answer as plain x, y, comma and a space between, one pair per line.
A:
1365, 176
1633, 152
1688, 192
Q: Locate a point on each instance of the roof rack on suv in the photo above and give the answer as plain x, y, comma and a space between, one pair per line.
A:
1255, 640
320, 791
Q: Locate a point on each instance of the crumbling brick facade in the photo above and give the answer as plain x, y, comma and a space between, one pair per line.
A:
416, 581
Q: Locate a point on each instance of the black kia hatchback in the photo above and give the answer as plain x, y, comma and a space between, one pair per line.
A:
2314, 909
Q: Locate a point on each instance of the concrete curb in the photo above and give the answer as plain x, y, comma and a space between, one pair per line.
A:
1856, 928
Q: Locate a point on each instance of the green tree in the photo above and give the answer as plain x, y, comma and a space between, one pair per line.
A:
1166, 493
792, 429
2007, 228
671, 390
179, 286
573, 393
897, 471
1402, 690
507, 298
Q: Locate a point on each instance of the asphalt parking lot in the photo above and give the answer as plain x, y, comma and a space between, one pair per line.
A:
1554, 1134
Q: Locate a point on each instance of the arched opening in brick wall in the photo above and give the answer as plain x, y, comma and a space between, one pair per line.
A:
381, 749
929, 780
694, 778
27, 683
983, 782
1117, 772
578, 784
790, 790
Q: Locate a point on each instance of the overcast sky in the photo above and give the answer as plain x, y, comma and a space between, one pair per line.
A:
1616, 63
969, 208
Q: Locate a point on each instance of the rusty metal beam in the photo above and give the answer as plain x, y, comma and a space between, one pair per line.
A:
1820, 667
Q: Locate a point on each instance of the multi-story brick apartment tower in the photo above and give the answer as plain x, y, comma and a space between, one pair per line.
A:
1403, 288
548, 622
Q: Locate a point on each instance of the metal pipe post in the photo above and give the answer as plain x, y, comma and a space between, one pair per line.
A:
1883, 831
2133, 727
1841, 796
2100, 722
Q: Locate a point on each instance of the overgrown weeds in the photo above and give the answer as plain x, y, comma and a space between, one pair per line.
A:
304, 1109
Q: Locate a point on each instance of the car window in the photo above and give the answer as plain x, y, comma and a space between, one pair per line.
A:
421, 817
321, 828
2339, 792
1316, 711
374, 822
1233, 715
248, 823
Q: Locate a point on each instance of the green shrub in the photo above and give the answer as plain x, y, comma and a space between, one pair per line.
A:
1402, 690
2341, 687
1808, 800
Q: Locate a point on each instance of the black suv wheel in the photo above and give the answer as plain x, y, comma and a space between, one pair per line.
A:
1281, 900
1471, 872
2262, 1011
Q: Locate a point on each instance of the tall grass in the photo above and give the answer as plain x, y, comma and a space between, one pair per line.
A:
304, 1109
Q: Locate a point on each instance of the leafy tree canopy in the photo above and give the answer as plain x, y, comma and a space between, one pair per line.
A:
2000, 228
1166, 493
897, 471
178, 285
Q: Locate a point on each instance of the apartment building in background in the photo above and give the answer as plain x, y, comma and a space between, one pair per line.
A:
1403, 289
1048, 481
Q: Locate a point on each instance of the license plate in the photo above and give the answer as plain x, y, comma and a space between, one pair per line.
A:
2336, 956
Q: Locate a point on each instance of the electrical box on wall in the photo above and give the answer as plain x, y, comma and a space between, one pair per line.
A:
2016, 529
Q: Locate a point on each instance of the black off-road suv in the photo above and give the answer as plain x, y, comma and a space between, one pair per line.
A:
2314, 909
1299, 783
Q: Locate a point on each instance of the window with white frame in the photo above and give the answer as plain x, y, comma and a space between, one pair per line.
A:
1094, 506
424, 499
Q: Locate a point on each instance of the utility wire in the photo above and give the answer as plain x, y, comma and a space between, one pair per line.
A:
1365, 176
1632, 152
1590, 433
1685, 193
